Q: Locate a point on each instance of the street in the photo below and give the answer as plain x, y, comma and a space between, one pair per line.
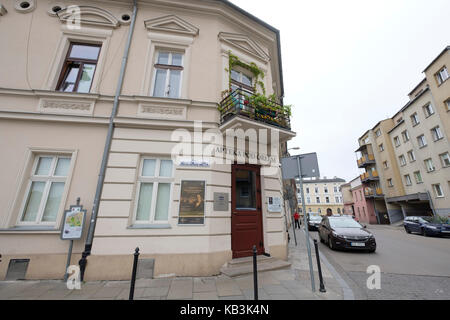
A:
412, 266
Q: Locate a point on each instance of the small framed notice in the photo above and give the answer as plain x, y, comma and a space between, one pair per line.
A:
73, 223
274, 204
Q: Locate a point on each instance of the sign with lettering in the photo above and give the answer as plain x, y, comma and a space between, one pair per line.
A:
221, 201
274, 204
192, 202
73, 223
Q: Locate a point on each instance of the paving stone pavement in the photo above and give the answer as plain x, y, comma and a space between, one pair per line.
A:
287, 284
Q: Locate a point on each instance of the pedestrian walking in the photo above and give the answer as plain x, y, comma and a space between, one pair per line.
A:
296, 220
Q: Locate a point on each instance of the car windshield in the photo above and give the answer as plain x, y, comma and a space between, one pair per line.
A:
343, 223
424, 220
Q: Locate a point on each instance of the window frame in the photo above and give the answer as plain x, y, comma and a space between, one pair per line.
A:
426, 110
69, 61
439, 77
156, 180
168, 68
440, 189
420, 175
424, 141
381, 147
402, 160
415, 119
441, 157
413, 158
429, 160
240, 84
390, 182
397, 141
435, 135
408, 180
49, 180
405, 136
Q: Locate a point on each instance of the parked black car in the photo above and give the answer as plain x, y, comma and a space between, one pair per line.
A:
346, 233
314, 222
426, 226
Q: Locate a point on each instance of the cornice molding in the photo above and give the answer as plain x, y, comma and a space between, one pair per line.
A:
171, 24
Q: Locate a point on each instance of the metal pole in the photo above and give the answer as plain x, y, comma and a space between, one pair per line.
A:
322, 286
101, 176
255, 274
308, 245
69, 256
431, 203
133, 275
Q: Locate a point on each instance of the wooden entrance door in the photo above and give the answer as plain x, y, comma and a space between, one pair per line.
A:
246, 214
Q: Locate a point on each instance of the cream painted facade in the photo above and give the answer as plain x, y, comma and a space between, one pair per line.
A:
36, 120
322, 194
407, 185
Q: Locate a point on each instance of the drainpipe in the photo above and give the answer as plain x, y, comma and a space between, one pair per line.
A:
101, 176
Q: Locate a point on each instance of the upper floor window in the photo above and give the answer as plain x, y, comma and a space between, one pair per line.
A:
421, 141
316, 190
447, 103
405, 136
438, 190
436, 133
418, 177
241, 80
445, 159
442, 75
385, 164
429, 165
378, 133
415, 119
325, 189
381, 146
154, 185
397, 141
428, 110
327, 199
167, 75
408, 180
411, 156
390, 184
402, 160
317, 200
335, 189
45, 190
79, 68
307, 190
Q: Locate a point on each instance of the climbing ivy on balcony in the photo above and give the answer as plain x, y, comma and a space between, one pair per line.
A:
259, 100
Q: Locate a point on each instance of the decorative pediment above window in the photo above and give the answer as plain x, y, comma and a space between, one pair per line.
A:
88, 15
244, 43
172, 24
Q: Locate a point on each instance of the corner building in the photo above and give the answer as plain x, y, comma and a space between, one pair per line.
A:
194, 72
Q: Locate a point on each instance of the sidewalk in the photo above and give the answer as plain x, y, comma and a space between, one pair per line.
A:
286, 284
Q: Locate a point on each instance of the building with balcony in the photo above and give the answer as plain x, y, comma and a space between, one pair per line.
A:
150, 114
364, 205
322, 194
411, 150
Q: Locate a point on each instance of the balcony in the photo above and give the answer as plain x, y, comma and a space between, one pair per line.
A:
245, 104
370, 176
373, 193
366, 160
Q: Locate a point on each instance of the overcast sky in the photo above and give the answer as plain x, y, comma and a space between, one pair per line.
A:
348, 64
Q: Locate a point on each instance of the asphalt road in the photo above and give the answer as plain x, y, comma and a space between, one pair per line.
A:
412, 266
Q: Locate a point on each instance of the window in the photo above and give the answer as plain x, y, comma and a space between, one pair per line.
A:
390, 184
307, 190
397, 141
154, 185
45, 190
317, 200
411, 156
442, 75
168, 72
240, 80
445, 159
381, 147
418, 177
325, 190
335, 189
316, 190
429, 165
408, 180
422, 141
364, 211
360, 195
319, 210
436, 133
378, 133
402, 160
428, 110
336, 199
385, 164
447, 103
327, 199
415, 119
405, 136
438, 190
339, 210
308, 199
79, 68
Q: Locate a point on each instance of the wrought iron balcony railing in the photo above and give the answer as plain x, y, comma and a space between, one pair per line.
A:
245, 103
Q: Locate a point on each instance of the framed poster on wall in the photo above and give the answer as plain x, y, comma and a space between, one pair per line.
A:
192, 203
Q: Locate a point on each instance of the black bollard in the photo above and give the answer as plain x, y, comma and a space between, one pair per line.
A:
322, 286
133, 275
255, 273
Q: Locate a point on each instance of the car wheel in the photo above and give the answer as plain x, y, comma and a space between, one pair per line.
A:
330, 243
407, 230
424, 232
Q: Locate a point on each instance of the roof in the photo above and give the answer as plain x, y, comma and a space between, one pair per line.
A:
420, 83
268, 26
443, 51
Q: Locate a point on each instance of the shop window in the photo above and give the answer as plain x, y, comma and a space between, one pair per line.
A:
155, 187
45, 190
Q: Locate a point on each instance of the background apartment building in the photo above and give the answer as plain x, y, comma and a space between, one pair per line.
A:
406, 157
58, 86
322, 194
